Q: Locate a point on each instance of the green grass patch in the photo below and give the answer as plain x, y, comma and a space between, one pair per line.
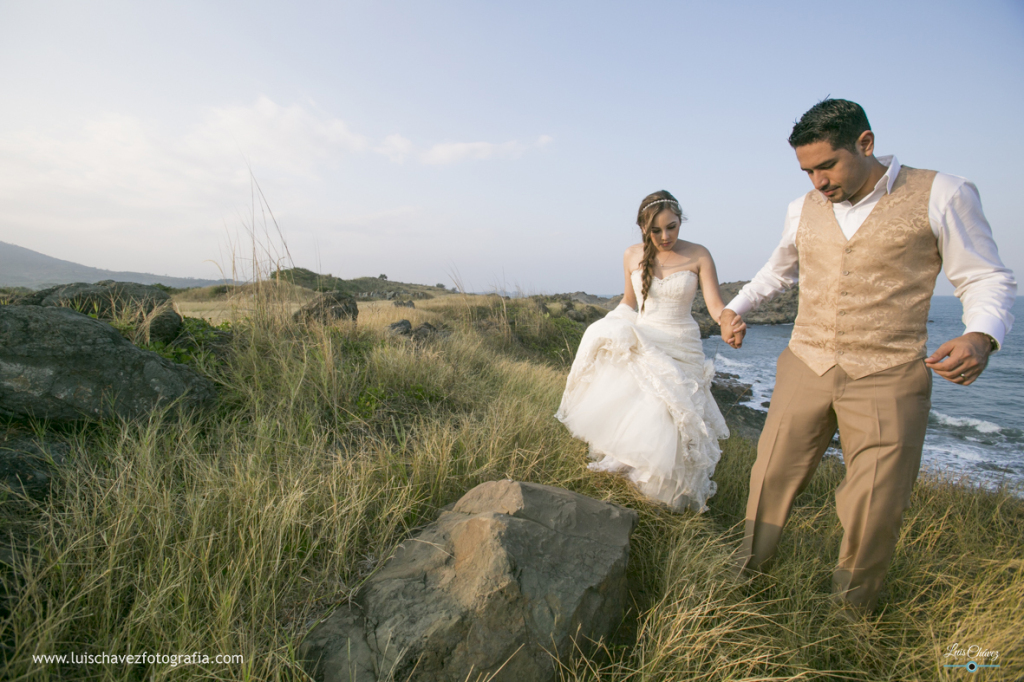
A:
233, 532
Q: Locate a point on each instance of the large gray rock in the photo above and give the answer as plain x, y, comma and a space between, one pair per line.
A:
61, 365
328, 307
149, 307
27, 465
499, 585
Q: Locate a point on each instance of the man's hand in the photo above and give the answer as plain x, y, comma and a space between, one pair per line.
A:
733, 328
961, 360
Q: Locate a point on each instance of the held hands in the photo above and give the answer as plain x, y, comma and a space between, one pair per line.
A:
733, 328
961, 360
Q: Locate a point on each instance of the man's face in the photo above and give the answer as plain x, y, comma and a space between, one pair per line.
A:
839, 174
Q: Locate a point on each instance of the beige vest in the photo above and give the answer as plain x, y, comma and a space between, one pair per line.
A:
864, 302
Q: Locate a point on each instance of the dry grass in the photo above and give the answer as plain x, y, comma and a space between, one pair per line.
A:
232, 532
218, 304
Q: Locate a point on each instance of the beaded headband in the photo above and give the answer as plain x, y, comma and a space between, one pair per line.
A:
659, 201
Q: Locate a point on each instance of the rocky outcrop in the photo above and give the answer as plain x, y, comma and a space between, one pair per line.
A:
329, 307
508, 578
584, 297
149, 309
60, 365
402, 327
731, 394
420, 333
564, 305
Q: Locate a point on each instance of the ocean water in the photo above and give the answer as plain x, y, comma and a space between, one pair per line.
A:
974, 431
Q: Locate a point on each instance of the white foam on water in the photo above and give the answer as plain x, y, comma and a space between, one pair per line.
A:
726, 362
955, 456
979, 425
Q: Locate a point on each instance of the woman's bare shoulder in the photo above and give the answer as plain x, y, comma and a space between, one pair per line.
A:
696, 250
633, 255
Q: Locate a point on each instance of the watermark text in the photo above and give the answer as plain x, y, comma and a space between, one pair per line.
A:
145, 658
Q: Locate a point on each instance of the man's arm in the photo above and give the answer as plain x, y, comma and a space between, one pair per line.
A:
985, 287
778, 275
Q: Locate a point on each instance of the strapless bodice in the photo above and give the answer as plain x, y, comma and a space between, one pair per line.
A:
669, 300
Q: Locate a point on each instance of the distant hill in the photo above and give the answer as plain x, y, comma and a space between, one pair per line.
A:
311, 280
21, 267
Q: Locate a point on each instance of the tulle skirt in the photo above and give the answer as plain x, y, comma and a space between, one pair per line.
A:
640, 396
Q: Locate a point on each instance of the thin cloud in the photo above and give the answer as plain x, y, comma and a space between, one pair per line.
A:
455, 152
396, 148
136, 159
118, 177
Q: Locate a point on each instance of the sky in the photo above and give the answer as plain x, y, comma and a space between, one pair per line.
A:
499, 146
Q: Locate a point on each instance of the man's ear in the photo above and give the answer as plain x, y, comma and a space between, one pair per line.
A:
866, 143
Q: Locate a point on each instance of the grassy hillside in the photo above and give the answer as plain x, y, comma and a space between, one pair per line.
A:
233, 532
317, 282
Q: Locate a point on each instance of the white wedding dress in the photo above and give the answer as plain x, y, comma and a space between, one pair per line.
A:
639, 392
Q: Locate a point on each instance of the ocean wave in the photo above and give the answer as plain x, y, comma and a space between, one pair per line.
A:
952, 454
727, 362
979, 425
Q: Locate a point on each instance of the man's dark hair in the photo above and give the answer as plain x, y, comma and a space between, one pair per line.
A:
837, 120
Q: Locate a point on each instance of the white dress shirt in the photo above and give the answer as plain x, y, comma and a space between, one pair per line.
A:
985, 287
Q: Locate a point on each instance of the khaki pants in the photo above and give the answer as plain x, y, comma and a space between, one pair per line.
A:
882, 419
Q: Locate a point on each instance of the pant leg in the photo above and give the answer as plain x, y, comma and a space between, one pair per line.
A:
797, 431
882, 421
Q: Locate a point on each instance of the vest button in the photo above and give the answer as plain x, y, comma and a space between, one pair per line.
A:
844, 293
840, 333
840, 353
849, 250
846, 272
842, 312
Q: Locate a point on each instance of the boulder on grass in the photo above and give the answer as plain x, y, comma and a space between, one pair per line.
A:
148, 307
402, 327
27, 465
60, 365
499, 587
328, 307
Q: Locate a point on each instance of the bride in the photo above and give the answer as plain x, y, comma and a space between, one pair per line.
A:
639, 388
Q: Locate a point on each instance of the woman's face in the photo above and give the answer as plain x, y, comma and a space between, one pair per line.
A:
664, 231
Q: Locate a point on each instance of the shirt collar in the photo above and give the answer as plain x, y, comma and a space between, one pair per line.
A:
890, 175
884, 184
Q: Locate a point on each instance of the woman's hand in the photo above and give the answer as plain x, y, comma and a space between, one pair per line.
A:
733, 328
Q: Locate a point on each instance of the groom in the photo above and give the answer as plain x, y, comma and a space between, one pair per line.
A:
867, 243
